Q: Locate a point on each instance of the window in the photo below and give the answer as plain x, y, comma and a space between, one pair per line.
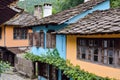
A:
0, 32
51, 39
43, 69
53, 73
36, 39
96, 54
99, 50
20, 33
108, 57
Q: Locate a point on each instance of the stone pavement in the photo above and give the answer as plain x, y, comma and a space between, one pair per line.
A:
13, 76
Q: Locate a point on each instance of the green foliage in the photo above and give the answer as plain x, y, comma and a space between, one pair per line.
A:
69, 4
58, 5
68, 69
4, 66
115, 3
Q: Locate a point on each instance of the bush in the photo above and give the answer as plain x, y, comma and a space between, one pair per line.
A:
4, 67
68, 69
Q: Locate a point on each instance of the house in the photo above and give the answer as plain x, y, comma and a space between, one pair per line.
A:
41, 40
14, 36
94, 43
44, 26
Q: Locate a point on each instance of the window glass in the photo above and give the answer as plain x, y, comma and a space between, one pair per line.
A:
83, 52
96, 54
105, 43
98, 50
90, 42
20, 33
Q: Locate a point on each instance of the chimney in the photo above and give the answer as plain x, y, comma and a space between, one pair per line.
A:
86, 0
47, 9
38, 11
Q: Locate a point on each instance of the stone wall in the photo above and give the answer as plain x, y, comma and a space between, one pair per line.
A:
24, 66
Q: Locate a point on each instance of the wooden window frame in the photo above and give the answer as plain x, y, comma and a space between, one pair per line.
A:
36, 39
20, 33
103, 48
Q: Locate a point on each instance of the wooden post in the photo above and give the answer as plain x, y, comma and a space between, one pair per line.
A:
87, 53
34, 69
116, 58
99, 55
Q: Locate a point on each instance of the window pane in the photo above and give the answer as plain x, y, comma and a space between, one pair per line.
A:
83, 52
96, 42
90, 42
105, 43
82, 42
111, 43
95, 54
110, 53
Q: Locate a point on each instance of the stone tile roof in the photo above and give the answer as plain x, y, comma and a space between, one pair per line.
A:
21, 19
17, 50
4, 3
66, 14
107, 21
6, 12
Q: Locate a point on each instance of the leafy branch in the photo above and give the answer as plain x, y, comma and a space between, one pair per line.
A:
53, 58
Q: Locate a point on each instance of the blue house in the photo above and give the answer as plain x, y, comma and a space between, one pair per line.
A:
41, 40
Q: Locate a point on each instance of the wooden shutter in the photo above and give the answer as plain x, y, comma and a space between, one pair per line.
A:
49, 40
53, 41
41, 39
36, 39
30, 39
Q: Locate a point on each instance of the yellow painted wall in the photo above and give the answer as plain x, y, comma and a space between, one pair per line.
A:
97, 69
10, 42
2, 37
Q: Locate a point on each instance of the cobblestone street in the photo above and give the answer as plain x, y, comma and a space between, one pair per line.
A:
13, 76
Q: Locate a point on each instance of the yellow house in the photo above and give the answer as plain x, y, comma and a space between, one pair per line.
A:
94, 43
14, 36
13, 33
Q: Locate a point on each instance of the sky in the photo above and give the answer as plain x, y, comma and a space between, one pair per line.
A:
21, 0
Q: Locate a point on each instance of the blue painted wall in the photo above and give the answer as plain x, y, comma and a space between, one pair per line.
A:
59, 39
61, 45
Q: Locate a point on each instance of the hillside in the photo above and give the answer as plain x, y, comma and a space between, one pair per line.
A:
58, 5
28, 5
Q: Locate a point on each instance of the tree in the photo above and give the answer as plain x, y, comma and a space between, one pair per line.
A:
115, 3
70, 3
58, 5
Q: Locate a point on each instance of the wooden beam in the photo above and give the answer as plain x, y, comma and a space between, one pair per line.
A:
98, 36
